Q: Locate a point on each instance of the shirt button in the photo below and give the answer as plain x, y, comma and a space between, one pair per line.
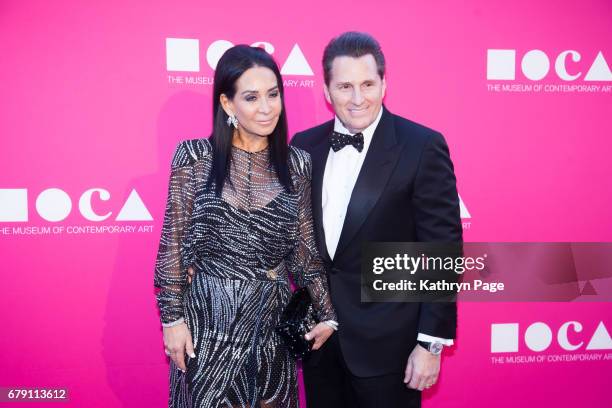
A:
272, 274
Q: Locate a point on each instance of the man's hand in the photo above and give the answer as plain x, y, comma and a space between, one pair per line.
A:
190, 273
422, 369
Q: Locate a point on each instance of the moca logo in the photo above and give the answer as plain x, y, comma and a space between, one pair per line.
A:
539, 336
535, 65
183, 54
54, 205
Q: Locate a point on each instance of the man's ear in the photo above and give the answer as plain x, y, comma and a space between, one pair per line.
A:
384, 86
226, 104
327, 95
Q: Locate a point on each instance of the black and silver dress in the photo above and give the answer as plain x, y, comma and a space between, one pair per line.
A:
242, 245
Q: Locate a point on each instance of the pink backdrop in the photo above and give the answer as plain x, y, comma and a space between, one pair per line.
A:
93, 97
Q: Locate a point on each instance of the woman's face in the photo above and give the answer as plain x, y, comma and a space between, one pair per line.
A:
257, 102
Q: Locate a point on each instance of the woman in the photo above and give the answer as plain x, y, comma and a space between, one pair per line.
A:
238, 213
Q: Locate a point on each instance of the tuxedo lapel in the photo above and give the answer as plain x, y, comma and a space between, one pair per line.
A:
319, 155
375, 171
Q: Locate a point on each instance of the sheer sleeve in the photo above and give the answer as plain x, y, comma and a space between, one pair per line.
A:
175, 254
304, 263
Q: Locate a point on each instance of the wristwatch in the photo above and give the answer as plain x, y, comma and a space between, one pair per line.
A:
434, 348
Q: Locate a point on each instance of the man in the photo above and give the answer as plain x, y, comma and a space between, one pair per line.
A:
381, 178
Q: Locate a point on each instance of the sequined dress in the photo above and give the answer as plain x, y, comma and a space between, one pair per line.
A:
244, 245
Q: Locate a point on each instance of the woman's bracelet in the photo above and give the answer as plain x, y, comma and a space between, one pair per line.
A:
174, 323
332, 323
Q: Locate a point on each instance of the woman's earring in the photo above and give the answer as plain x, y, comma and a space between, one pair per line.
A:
231, 120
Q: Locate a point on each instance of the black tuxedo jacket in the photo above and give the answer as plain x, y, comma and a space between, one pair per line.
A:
406, 191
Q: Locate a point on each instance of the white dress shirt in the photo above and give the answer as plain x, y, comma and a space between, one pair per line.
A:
341, 171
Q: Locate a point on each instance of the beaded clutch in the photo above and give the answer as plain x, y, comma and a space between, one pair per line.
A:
297, 319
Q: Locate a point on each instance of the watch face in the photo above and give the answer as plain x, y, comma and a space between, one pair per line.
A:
436, 348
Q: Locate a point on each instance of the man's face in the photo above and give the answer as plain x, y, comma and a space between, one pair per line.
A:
356, 91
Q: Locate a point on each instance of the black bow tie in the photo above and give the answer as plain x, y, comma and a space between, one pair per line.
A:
339, 140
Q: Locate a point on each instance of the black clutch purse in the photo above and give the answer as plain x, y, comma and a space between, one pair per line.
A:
297, 320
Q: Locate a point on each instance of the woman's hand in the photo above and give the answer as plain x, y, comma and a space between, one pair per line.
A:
320, 333
177, 342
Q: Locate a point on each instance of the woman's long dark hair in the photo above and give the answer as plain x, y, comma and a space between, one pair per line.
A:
230, 67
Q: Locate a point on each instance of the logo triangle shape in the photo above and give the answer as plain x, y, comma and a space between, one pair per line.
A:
601, 339
296, 63
599, 71
134, 209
